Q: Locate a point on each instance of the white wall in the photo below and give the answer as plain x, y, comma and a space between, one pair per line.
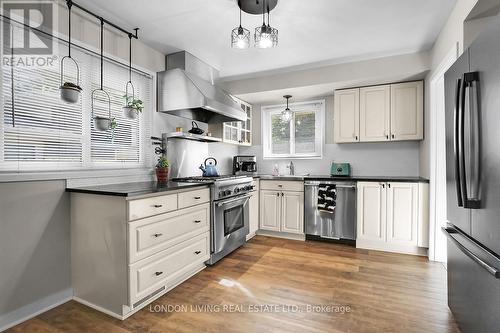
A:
451, 35
367, 159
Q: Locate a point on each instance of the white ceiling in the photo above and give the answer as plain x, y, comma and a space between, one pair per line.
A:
310, 32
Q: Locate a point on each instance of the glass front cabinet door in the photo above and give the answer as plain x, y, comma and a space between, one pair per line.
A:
236, 132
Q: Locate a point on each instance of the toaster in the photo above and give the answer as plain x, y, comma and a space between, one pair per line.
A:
340, 169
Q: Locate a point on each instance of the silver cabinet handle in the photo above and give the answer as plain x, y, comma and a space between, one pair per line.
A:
221, 203
492, 270
336, 185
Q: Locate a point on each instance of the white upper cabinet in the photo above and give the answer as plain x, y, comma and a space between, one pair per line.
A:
392, 112
346, 115
375, 113
407, 111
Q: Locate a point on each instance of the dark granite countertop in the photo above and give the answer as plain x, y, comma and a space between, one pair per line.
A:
133, 189
350, 178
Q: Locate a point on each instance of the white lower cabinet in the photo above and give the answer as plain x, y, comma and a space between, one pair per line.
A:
292, 212
270, 210
282, 207
126, 252
393, 216
253, 208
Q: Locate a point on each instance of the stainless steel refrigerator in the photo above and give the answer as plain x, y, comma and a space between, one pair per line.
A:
473, 184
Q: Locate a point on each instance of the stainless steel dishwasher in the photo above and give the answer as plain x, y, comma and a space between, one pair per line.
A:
339, 225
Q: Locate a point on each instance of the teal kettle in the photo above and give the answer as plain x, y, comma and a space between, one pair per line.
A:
209, 167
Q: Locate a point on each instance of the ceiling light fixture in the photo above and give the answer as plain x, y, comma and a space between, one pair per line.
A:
240, 37
287, 114
265, 36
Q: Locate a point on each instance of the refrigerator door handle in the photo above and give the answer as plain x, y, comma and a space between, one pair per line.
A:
450, 232
456, 137
467, 82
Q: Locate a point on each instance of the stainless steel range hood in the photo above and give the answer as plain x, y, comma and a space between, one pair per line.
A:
187, 89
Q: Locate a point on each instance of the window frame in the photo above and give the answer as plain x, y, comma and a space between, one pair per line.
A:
317, 106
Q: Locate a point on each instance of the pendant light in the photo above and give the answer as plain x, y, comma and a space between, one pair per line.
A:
262, 36
272, 31
102, 123
240, 37
287, 114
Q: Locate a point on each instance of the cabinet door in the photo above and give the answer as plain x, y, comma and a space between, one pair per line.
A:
292, 212
407, 111
402, 213
270, 210
374, 113
371, 211
346, 115
253, 216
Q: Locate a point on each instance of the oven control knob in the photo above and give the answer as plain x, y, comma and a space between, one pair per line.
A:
236, 190
221, 193
227, 192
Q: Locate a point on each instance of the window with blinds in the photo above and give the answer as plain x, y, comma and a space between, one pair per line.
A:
45, 133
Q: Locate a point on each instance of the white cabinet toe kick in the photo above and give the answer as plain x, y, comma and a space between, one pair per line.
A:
127, 252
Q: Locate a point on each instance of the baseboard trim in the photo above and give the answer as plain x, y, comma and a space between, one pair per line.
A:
287, 235
29, 311
394, 248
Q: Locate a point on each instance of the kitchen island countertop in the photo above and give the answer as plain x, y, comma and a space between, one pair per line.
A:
134, 189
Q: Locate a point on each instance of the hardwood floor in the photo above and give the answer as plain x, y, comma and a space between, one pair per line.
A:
382, 292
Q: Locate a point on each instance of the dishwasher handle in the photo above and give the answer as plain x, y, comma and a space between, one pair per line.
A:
336, 185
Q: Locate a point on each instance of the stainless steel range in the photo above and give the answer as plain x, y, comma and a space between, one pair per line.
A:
229, 224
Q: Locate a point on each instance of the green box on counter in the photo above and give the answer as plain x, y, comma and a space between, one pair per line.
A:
340, 169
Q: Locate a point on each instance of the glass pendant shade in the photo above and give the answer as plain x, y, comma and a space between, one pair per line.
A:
263, 37
286, 115
240, 38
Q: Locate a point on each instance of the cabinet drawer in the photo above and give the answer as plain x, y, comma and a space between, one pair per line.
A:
157, 233
278, 185
138, 209
151, 274
191, 198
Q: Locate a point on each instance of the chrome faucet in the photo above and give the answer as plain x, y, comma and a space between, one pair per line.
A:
291, 168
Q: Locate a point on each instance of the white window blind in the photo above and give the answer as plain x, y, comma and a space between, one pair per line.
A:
45, 133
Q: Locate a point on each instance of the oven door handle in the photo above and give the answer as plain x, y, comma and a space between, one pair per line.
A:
221, 203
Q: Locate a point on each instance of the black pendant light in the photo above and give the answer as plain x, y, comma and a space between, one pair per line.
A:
287, 114
240, 37
262, 35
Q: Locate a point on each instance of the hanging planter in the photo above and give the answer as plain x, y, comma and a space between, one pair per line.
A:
132, 106
70, 91
102, 123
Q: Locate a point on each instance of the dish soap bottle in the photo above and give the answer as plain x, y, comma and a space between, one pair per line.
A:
276, 170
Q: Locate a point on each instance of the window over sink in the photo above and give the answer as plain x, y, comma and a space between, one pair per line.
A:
301, 137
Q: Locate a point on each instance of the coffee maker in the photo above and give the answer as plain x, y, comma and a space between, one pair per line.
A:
244, 165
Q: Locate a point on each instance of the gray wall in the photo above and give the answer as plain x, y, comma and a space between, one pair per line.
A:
367, 159
34, 243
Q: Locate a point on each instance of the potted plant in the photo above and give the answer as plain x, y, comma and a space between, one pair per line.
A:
133, 107
70, 92
162, 169
104, 123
